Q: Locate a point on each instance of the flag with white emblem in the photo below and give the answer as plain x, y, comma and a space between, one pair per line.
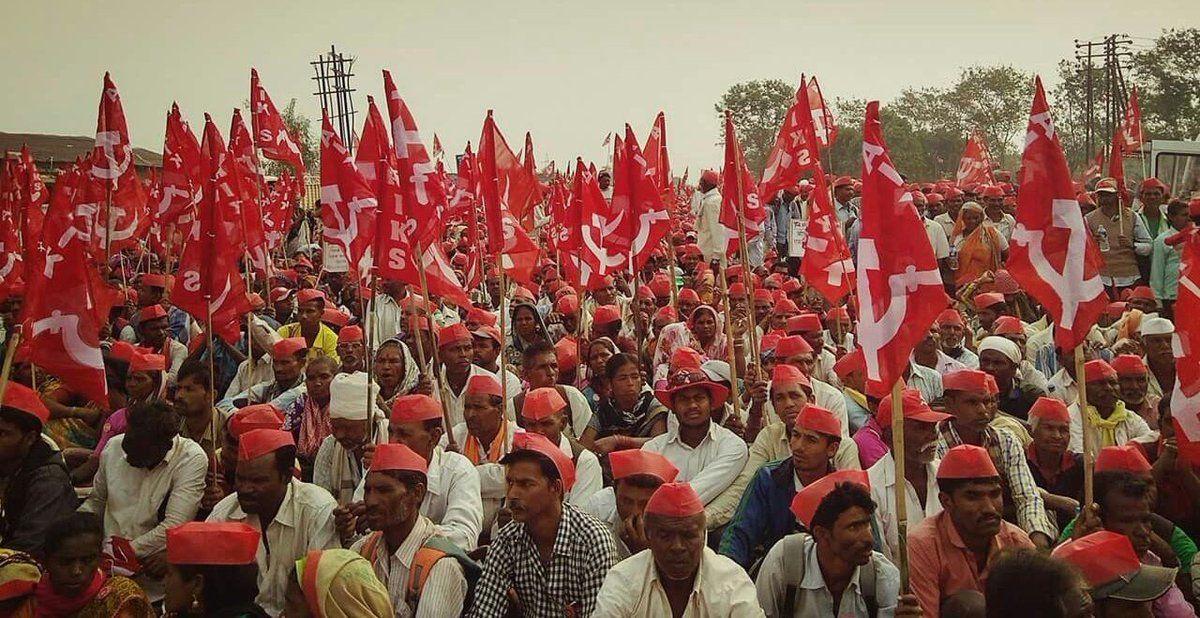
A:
270, 133
740, 203
826, 266
638, 195
423, 195
182, 182
976, 164
348, 205
124, 218
1185, 343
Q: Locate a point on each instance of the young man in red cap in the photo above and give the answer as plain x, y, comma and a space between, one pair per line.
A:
38, 489
636, 475
1057, 471
151, 290
540, 369
545, 412
319, 338
795, 350
762, 517
484, 438
678, 575
153, 332
971, 399
288, 358
457, 349
552, 559
394, 493
486, 347
948, 554
294, 516
1112, 422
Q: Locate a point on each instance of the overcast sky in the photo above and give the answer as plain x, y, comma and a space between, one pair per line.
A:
570, 72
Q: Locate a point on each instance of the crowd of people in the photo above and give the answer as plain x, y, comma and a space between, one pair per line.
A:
694, 439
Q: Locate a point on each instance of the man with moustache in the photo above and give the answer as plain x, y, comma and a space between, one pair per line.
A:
636, 474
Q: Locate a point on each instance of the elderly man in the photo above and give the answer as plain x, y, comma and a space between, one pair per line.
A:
1001, 358
355, 427
351, 350
545, 413
953, 333
484, 438
1157, 334
1134, 379
457, 349
1112, 422
1057, 471
1121, 235
636, 475
1153, 195
677, 575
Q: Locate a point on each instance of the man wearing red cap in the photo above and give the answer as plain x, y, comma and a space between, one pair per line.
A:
320, 339
636, 475
484, 438
952, 331
395, 488
151, 290
1112, 422
1134, 378
706, 208
1121, 235
540, 369
294, 516
288, 359
796, 351
546, 412
552, 559
351, 349
153, 331
38, 489
1057, 471
948, 554
457, 348
678, 575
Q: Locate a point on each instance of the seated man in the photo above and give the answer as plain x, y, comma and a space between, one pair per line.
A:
153, 331
1001, 359
1057, 471
288, 357
949, 552
249, 418
679, 575
484, 439
37, 488
851, 373
636, 475
1134, 379
545, 413
351, 350
1120, 584
1114, 424
295, 517
395, 490
539, 368
832, 570
318, 338
355, 428
762, 517
457, 350
517, 573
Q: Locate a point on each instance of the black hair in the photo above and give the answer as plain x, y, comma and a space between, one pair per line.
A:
549, 470
22, 420
1041, 579
641, 481
949, 486
285, 461
844, 496
537, 348
225, 585
408, 478
1175, 206
322, 359
618, 362
195, 370
156, 419
73, 525
1122, 481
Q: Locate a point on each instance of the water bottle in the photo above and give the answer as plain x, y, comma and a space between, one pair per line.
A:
952, 260
1102, 239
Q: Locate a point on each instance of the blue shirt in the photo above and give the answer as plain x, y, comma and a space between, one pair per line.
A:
764, 515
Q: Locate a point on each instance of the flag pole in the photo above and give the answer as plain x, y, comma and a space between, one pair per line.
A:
437, 361
9, 353
1089, 446
747, 271
503, 328
107, 224
901, 483
368, 307
735, 394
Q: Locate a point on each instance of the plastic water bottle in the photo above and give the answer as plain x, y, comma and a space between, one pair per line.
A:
1102, 240
952, 260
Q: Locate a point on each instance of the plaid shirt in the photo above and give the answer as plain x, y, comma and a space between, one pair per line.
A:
583, 553
1009, 457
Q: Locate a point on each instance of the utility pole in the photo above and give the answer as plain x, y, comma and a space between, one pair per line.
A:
332, 72
1106, 81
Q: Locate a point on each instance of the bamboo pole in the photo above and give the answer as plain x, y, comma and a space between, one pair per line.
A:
437, 361
10, 353
504, 311
901, 483
1089, 439
735, 394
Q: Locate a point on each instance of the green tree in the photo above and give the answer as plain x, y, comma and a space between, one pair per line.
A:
300, 127
758, 109
1168, 76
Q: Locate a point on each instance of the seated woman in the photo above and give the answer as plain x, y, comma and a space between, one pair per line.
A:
527, 328
595, 387
19, 575
336, 583
703, 331
211, 571
396, 371
630, 415
74, 585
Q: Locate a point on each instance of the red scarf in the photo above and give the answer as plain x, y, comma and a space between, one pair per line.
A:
51, 604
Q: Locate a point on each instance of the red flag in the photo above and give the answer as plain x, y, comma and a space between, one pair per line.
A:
899, 286
270, 132
589, 230
739, 197
1131, 125
976, 165
822, 119
373, 149
66, 302
657, 161
34, 199
208, 279
515, 188
437, 146
1052, 255
489, 185
115, 185
182, 177
10, 242
348, 205
648, 217
468, 181
790, 155
827, 265
1116, 168
250, 180
1185, 398
424, 197
1093, 168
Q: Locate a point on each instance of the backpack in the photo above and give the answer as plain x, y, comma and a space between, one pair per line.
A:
793, 573
435, 548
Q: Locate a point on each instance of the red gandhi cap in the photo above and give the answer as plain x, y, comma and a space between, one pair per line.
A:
567, 305
147, 362
1096, 370
394, 456
258, 442
685, 358
1129, 365
966, 461
763, 294
950, 316
1007, 325
350, 334
967, 380
786, 305
849, 363
487, 318
334, 317
212, 542
643, 293
1050, 409
606, 314
769, 341
913, 406
1115, 309
660, 286
791, 285
24, 399
788, 375
528, 442
674, 500
710, 176
983, 301
820, 420
153, 280
843, 181
483, 384
567, 352
415, 409
288, 347
737, 290
454, 333
1142, 292
689, 295
1126, 457
153, 312
635, 461
992, 191
309, 294
804, 323
1112, 568
257, 416
792, 345
809, 499
541, 403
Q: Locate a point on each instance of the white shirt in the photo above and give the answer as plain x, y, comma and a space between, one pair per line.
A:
304, 522
387, 319
883, 491
825, 396
588, 476
937, 238
454, 401
245, 378
711, 466
924, 379
444, 590
814, 597
492, 484
1134, 426
721, 588
339, 472
1063, 387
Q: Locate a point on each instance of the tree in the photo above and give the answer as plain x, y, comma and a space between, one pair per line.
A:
919, 153
300, 126
1168, 76
758, 109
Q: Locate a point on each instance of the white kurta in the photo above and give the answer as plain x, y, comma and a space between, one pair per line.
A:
883, 491
721, 588
711, 466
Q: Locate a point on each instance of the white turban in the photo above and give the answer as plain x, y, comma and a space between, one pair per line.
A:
349, 397
1003, 346
1156, 326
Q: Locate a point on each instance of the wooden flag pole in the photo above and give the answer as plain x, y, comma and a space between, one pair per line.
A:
1089, 439
504, 310
10, 352
901, 483
671, 272
367, 308
734, 394
747, 271
437, 361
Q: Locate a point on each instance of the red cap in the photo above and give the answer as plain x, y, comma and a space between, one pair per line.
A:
567, 352
334, 317
394, 456
258, 442
791, 285
280, 293
455, 333
567, 305
1103, 557
688, 295
1050, 409
415, 409
763, 294
785, 305
788, 375
849, 363
1007, 325
914, 407
808, 500
634, 461
983, 301
350, 334
288, 347
792, 345
643, 292
309, 294
691, 378
153, 280
1154, 183
483, 384
488, 332
804, 323
153, 312
1127, 457
1129, 365
257, 416
541, 403
967, 380
660, 286
820, 420
606, 314
212, 542
950, 316
147, 362
25, 399
256, 301
685, 358
966, 461
487, 318
1115, 309
992, 191
843, 181
537, 443
1142, 292
710, 177
674, 500
1096, 370
737, 290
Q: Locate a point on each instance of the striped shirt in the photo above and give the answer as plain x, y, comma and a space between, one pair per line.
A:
444, 591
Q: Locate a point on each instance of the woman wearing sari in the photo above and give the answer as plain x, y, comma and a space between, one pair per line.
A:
527, 327
630, 415
211, 571
594, 384
396, 371
74, 585
981, 248
703, 331
336, 583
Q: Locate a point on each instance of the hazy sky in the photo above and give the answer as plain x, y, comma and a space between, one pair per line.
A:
568, 71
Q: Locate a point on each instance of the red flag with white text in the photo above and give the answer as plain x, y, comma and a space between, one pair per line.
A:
791, 154
1131, 125
975, 167
823, 125
182, 176
827, 265
348, 205
424, 197
739, 198
271, 134
124, 217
